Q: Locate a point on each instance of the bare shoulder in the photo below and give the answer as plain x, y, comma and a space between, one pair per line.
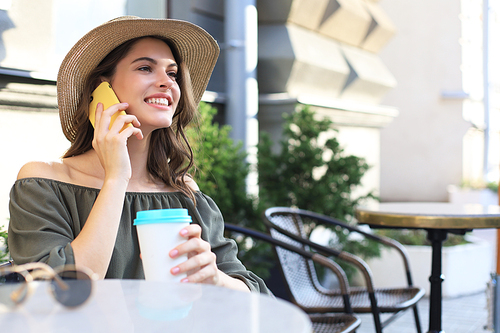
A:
191, 183
83, 170
37, 169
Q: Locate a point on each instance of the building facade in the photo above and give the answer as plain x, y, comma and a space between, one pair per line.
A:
353, 61
438, 139
320, 53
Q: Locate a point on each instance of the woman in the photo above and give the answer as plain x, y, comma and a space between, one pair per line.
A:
81, 209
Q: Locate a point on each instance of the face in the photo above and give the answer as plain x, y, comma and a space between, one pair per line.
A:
146, 79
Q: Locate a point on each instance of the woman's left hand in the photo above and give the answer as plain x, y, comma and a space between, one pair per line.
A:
201, 265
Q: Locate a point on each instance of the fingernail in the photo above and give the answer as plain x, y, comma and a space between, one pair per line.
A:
184, 232
174, 253
175, 270
184, 280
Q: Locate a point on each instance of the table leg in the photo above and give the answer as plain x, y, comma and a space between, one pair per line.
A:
436, 237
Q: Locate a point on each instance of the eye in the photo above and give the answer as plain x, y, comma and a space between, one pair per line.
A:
172, 75
145, 68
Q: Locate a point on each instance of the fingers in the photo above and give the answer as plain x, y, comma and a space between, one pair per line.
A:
191, 247
129, 130
194, 244
192, 230
110, 144
201, 265
103, 119
98, 113
200, 268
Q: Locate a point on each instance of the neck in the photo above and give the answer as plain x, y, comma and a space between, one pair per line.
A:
141, 180
138, 153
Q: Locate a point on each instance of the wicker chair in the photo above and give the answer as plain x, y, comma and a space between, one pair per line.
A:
322, 322
287, 225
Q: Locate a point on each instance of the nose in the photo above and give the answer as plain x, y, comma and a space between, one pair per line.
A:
165, 81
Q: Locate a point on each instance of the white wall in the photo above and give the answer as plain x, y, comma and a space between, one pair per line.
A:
27, 136
421, 151
363, 142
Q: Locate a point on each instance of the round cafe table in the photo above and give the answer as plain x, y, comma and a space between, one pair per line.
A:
438, 219
143, 306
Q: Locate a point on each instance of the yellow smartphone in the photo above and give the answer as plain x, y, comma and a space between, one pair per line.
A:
104, 94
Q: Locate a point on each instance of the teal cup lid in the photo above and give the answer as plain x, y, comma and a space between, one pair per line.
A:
171, 215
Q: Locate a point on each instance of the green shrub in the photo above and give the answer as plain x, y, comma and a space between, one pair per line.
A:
315, 176
221, 167
419, 237
308, 174
221, 173
4, 254
305, 174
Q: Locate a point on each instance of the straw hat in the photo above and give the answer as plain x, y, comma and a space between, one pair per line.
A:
195, 46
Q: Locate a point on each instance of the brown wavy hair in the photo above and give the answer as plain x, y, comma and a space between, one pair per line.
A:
170, 156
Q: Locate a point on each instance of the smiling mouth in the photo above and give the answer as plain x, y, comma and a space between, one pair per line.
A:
158, 101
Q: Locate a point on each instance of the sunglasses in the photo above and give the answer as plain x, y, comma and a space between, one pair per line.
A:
69, 285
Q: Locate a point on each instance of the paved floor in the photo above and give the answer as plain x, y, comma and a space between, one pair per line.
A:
465, 314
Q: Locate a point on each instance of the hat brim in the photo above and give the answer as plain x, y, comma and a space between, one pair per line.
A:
196, 47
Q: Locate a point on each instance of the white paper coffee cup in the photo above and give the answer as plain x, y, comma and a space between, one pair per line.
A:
158, 233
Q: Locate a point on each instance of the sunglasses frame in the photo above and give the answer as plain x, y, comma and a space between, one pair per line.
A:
41, 271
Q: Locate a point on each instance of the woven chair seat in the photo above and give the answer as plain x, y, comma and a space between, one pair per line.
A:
334, 323
388, 300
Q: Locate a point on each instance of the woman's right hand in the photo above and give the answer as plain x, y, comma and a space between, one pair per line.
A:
110, 144
93, 247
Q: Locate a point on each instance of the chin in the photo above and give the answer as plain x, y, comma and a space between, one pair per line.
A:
165, 124
160, 122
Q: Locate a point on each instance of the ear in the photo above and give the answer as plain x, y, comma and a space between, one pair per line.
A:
103, 79
100, 80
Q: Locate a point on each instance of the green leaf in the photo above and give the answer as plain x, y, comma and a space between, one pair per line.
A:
305, 173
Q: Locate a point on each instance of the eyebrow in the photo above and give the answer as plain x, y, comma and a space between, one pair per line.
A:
153, 61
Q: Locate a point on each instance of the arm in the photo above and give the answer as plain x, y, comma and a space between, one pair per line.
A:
51, 225
201, 265
46, 220
231, 272
94, 245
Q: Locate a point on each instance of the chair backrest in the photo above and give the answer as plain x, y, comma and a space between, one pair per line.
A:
299, 273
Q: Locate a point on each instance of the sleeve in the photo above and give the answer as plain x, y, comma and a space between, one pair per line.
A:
212, 224
39, 227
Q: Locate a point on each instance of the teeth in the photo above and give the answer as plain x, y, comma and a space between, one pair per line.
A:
160, 101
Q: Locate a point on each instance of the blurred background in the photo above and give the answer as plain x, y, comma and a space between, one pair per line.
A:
411, 86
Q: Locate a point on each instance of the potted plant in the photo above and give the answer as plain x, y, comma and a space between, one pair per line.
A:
478, 192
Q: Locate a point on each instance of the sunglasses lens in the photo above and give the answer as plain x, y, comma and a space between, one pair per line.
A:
73, 288
13, 289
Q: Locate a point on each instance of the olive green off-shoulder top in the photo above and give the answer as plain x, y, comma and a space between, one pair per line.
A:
47, 215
